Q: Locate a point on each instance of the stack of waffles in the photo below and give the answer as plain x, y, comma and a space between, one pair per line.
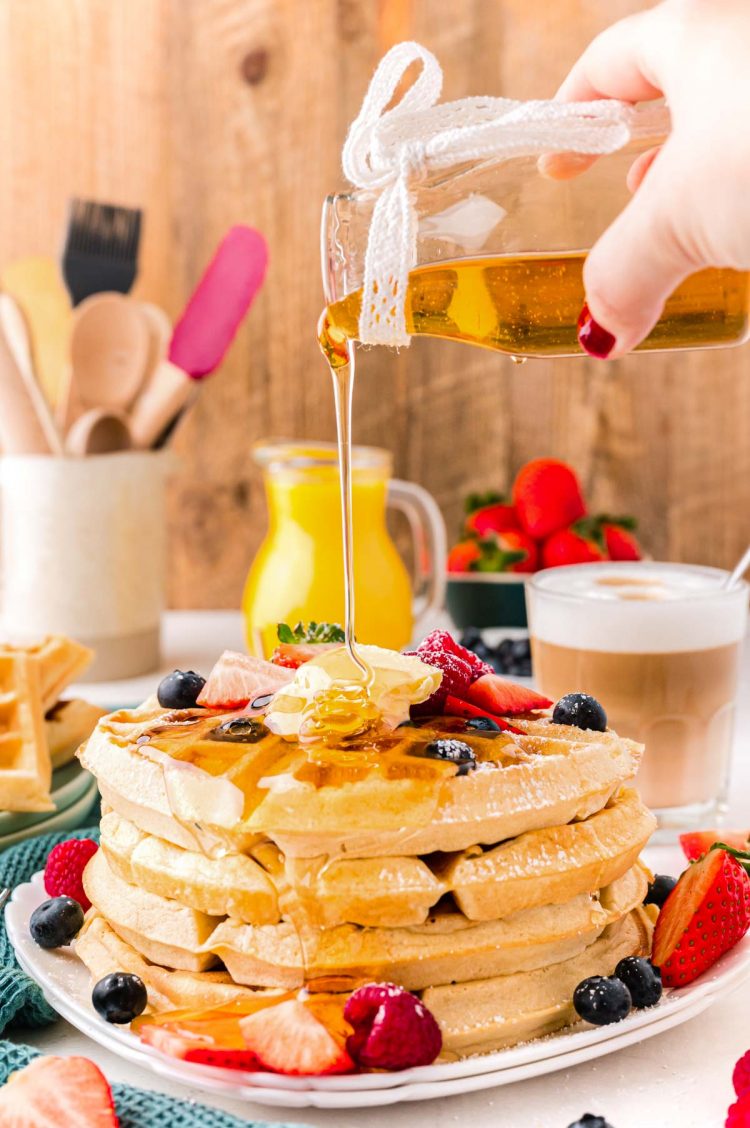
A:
38, 730
235, 863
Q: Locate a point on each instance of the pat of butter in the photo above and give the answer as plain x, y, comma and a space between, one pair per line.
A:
399, 680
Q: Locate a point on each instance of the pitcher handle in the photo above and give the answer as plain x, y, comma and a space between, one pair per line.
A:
430, 546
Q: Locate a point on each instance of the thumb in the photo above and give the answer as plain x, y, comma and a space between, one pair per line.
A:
635, 266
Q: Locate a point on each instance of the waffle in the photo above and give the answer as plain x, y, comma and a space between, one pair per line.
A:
25, 769
448, 947
165, 774
231, 867
60, 660
234, 885
538, 868
489, 1014
475, 1017
67, 724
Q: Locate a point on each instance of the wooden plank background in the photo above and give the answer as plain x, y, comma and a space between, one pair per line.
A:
209, 112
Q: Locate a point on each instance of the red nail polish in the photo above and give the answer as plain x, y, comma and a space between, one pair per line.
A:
592, 337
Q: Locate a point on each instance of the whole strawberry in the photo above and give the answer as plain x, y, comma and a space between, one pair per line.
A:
63, 873
705, 915
570, 546
547, 496
393, 1029
495, 518
620, 540
463, 555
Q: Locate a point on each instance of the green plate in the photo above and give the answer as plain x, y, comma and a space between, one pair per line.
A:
69, 819
69, 784
485, 600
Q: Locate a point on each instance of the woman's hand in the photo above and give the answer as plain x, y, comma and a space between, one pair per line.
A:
691, 202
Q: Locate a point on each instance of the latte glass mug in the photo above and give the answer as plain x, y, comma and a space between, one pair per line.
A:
298, 573
659, 646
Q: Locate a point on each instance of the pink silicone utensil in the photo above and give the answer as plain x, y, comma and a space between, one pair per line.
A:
218, 304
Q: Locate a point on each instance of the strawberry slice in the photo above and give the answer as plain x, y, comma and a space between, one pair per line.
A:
696, 843
501, 698
189, 1042
238, 679
292, 655
53, 1092
290, 1039
705, 915
455, 707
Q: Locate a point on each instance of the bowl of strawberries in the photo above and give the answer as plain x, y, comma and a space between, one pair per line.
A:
544, 523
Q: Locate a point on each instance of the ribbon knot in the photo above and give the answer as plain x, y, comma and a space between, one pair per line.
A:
392, 145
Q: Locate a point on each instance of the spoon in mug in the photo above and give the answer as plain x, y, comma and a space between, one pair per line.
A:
739, 571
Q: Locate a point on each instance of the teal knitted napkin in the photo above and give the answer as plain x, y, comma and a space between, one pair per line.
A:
21, 1000
140, 1108
23, 1004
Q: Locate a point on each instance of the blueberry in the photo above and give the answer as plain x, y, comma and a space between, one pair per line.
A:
471, 638
642, 979
180, 689
602, 1000
581, 711
659, 890
588, 1120
504, 653
119, 997
240, 730
482, 724
455, 751
521, 650
56, 922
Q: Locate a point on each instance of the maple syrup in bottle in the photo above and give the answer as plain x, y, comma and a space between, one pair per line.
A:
500, 250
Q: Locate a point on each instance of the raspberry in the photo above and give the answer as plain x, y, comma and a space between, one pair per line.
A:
393, 1029
741, 1075
439, 644
738, 1115
63, 874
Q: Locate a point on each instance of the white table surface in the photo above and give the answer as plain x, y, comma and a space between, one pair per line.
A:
680, 1079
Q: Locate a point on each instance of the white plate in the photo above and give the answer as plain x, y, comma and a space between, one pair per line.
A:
65, 982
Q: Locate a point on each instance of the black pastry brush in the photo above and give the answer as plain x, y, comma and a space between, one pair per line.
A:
101, 248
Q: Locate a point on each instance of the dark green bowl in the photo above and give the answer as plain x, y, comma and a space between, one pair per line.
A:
485, 600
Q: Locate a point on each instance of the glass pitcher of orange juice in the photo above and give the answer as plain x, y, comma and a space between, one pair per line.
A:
297, 573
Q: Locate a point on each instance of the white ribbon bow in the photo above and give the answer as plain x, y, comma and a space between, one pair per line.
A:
388, 150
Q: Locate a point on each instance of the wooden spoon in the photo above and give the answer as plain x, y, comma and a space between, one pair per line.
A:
16, 333
98, 431
109, 349
21, 431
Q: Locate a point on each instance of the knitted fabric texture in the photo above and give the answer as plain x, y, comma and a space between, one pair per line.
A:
139, 1108
21, 1000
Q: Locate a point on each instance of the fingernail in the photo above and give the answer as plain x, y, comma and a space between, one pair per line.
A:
592, 337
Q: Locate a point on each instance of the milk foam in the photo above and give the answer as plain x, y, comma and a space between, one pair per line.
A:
639, 608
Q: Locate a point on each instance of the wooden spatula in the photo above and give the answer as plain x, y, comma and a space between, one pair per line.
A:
36, 286
109, 350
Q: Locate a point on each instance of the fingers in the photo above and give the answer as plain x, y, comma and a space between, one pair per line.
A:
612, 66
640, 166
636, 264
